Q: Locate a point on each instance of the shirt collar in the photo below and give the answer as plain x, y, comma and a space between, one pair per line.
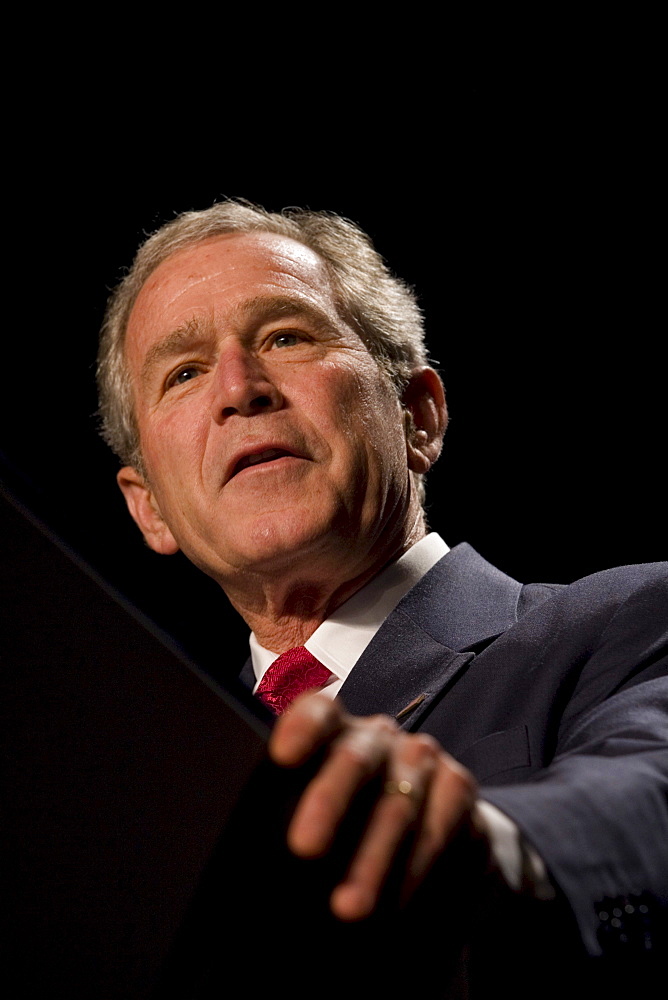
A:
340, 641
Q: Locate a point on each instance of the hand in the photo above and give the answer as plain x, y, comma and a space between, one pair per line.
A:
436, 804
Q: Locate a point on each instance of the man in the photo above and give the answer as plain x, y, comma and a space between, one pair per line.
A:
264, 381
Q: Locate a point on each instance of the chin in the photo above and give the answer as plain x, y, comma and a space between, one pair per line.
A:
278, 544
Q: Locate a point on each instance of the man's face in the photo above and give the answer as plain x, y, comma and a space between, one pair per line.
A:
271, 439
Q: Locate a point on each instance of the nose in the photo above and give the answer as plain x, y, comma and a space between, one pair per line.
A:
242, 385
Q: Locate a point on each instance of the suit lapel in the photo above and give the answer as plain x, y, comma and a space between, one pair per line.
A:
463, 600
432, 636
401, 672
247, 675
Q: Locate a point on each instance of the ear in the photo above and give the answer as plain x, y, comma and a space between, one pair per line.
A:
427, 418
145, 511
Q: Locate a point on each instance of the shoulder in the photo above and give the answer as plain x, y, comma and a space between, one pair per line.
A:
639, 592
603, 632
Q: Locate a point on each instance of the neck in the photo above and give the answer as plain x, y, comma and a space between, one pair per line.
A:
285, 612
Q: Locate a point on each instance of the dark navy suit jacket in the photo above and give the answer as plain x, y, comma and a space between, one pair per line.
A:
556, 698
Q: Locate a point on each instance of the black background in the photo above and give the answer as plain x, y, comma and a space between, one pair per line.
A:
522, 206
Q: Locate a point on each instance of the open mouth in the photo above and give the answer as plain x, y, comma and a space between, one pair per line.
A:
261, 458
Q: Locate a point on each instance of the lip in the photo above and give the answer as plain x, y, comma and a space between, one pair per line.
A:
258, 457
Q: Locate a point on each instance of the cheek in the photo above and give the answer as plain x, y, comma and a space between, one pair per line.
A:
383, 421
369, 419
172, 450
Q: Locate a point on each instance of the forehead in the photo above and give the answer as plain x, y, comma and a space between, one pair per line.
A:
213, 277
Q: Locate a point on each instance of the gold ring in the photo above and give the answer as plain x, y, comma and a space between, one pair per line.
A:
398, 787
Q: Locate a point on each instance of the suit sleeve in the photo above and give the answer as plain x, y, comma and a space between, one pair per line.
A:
598, 814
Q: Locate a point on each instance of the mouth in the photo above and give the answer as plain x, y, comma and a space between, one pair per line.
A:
264, 457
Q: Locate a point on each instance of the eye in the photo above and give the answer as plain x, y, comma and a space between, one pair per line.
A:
286, 339
182, 375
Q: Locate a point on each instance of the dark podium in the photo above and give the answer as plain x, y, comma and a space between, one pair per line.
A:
120, 766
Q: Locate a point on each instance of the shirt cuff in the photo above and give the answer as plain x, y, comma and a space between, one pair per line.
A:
521, 867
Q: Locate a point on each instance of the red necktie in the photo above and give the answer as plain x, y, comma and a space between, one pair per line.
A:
296, 670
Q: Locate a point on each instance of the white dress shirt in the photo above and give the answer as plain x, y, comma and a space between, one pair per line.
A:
338, 644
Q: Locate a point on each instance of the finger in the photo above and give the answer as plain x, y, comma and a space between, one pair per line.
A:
448, 805
410, 771
355, 756
311, 721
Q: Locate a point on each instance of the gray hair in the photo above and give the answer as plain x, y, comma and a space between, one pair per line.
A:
381, 308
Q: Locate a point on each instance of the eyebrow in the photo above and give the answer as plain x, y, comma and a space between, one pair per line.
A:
191, 336
197, 333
